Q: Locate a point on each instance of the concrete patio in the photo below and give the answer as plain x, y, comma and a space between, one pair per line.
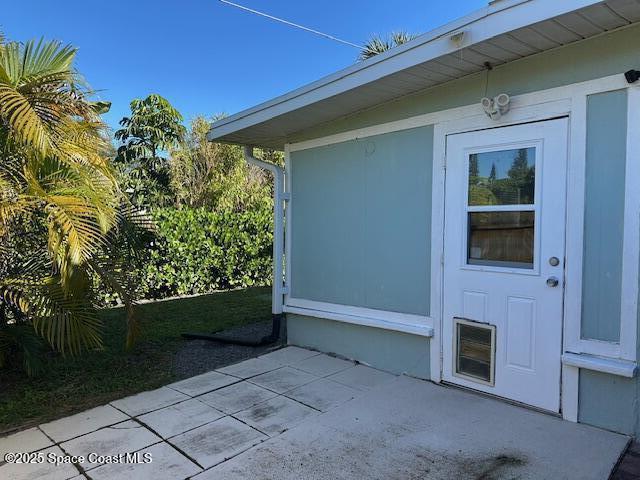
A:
296, 413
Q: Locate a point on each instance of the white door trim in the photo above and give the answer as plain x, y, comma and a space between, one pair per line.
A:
525, 113
528, 345
571, 101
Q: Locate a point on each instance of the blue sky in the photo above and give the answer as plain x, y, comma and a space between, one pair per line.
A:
206, 57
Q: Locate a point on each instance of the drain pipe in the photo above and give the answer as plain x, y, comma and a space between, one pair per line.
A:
279, 288
279, 197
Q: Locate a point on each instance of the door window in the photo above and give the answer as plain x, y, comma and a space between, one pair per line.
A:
501, 213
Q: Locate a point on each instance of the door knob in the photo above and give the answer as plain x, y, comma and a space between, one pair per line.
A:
552, 282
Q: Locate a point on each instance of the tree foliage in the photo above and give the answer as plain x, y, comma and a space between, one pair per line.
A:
215, 175
213, 231
60, 204
153, 128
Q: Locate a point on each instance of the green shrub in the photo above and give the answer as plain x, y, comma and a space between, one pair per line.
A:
198, 251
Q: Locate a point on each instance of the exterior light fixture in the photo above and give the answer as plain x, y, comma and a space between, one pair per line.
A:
496, 107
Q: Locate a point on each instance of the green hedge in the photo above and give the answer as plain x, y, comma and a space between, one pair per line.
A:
198, 251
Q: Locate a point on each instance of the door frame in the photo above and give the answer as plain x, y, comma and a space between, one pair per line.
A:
549, 137
567, 101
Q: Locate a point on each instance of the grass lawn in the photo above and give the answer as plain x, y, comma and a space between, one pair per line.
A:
71, 385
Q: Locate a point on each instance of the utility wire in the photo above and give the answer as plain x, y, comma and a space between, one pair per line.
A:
301, 27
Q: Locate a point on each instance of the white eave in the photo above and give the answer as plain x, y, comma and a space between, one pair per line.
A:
504, 31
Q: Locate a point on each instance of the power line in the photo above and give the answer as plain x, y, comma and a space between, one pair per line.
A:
301, 27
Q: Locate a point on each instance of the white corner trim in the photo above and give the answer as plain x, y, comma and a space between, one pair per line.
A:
288, 217
631, 237
613, 366
570, 392
367, 317
437, 248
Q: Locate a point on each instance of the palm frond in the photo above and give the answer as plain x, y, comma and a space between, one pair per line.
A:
54, 174
38, 92
377, 44
373, 47
67, 322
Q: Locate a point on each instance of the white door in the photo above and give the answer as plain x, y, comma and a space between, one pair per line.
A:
504, 261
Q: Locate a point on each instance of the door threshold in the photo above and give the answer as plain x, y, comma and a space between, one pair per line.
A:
509, 401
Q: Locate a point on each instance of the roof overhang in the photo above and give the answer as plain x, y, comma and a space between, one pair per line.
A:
504, 31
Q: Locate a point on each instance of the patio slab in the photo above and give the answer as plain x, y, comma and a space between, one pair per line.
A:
204, 383
323, 365
323, 394
26, 441
250, 368
283, 379
83, 423
126, 437
412, 429
362, 378
237, 397
289, 355
167, 463
276, 415
40, 471
356, 423
148, 401
218, 441
179, 418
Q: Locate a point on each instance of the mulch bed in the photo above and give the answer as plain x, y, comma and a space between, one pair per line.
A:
200, 356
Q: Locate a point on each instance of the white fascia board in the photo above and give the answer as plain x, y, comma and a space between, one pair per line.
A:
489, 22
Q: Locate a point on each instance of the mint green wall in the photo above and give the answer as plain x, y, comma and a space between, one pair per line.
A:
605, 55
361, 222
604, 215
608, 401
383, 349
331, 189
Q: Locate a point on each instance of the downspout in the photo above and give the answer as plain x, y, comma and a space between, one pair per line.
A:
279, 197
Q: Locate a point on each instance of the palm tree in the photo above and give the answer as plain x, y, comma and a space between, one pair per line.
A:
377, 44
53, 175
